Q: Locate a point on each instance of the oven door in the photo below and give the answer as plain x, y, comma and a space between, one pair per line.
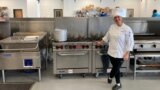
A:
72, 62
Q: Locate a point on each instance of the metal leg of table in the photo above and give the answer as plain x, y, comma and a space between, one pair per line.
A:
127, 67
39, 74
3, 76
135, 62
46, 61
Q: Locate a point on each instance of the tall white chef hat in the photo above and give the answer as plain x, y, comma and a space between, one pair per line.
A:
119, 12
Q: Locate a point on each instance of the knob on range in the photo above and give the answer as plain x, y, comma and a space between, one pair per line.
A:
74, 46
59, 47
141, 46
70, 47
154, 45
85, 46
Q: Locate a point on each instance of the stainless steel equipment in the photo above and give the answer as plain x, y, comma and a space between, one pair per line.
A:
43, 44
31, 25
5, 29
42, 34
99, 25
71, 58
97, 65
21, 52
75, 26
146, 49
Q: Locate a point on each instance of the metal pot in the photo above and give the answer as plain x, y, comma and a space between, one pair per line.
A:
60, 35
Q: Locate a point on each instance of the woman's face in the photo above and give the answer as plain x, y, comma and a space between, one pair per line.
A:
118, 20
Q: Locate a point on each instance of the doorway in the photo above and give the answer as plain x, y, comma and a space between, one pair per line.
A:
18, 13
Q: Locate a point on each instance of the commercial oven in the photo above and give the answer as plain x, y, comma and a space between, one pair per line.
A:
71, 58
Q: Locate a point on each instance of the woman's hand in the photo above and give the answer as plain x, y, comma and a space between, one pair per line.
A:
126, 56
99, 42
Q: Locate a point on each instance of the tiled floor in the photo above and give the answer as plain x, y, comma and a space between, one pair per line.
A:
77, 82
91, 83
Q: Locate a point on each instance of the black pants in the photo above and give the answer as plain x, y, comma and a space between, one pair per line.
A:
116, 64
105, 62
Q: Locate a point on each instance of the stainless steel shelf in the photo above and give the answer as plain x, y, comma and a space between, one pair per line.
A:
138, 55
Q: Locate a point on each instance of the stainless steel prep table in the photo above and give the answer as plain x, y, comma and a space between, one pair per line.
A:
18, 53
43, 44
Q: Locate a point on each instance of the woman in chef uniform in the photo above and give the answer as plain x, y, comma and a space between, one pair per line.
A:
121, 41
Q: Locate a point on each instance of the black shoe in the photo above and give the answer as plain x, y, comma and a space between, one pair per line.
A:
109, 80
116, 87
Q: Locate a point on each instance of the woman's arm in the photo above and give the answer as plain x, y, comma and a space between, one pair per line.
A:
129, 44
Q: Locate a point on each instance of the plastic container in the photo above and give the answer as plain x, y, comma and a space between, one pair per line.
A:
60, 35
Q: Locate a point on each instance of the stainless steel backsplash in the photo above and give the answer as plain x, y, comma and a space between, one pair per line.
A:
83, 26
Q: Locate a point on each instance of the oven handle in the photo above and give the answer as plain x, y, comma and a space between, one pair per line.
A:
99, 53
20, 49
71, 54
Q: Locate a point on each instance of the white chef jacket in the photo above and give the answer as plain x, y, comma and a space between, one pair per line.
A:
120, 39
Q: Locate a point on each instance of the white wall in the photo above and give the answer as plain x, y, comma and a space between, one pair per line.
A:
142, 8
79, 4
30, 8
68, 8
152, 4
47, 7
135, 4
15, 4
33, 9
130, 4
